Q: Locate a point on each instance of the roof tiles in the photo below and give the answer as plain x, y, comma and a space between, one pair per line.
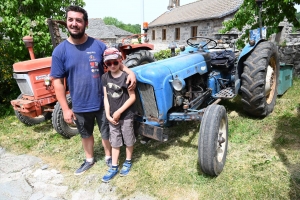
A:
199, 10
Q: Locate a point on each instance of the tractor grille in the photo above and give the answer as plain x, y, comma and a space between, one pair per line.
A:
145, 103
24, 87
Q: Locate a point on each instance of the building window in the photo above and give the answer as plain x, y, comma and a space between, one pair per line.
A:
177, 33
153, 34
164, 34
194, 31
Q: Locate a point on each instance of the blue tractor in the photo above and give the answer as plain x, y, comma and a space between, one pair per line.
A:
188, 87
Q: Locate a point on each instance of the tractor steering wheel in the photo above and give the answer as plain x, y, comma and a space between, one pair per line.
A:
196, 45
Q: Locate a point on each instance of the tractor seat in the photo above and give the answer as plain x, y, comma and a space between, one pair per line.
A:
223, 59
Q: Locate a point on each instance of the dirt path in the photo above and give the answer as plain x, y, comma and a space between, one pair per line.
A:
26, 177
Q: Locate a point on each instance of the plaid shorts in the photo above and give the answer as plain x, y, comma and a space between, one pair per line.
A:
122, 133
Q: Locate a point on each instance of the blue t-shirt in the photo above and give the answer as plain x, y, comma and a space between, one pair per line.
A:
82, 66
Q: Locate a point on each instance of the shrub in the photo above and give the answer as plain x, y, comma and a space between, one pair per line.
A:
163, 54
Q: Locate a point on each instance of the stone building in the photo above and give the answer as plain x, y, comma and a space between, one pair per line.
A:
200, 18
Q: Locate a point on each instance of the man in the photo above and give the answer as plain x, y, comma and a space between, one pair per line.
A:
79, 60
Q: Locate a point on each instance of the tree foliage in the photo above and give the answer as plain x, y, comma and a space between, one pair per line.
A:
133, 28
273, 12
21, 18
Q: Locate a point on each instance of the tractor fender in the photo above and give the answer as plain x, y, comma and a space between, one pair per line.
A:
246, 51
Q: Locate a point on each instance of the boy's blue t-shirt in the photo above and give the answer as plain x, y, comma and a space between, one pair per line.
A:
82, 66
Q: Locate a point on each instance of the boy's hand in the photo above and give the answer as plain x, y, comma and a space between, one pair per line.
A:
111, 120
116, 116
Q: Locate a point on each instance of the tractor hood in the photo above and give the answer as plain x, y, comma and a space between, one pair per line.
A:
161, 72
154, 83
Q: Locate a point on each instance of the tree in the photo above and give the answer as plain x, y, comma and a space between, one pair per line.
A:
21, 18
273, 12
136, 29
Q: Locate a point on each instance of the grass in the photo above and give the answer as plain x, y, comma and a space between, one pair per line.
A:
263, 160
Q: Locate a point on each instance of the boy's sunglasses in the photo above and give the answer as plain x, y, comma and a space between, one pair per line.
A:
108, 64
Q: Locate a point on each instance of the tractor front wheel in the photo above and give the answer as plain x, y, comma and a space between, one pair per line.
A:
260, 80
32, 120
213, 140
59, 124
137, 58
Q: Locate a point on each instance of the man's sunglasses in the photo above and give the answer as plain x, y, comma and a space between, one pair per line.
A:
108, 64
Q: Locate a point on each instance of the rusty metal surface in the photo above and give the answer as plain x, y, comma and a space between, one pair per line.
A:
154, 132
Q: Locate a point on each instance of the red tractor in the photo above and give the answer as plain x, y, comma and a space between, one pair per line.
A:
37, 101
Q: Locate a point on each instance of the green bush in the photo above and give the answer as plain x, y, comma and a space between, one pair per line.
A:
163, 54
8, 87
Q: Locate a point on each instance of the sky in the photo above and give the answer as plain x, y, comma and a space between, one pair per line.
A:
129, 11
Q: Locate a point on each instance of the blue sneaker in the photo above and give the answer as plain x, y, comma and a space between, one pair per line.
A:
108, 162
84, 167
125, 169
110, 174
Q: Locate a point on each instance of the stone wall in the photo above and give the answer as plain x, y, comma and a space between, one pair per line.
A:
288, 46
206, 28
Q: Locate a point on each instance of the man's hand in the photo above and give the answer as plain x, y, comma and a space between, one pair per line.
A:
69, 116
132, 80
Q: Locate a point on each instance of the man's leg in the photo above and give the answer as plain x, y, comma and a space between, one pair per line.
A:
104, 130
88, 146
85, 126
107, 147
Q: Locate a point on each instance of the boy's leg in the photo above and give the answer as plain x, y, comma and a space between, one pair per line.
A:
116, 143
129, 140
129, 151
115, 155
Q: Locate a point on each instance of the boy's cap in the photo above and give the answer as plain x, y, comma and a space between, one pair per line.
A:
111, 54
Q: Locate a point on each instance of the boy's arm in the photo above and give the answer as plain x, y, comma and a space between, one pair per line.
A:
106, 103
126, 105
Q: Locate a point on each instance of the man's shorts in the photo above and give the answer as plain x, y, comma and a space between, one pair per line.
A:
85, 123
122, 133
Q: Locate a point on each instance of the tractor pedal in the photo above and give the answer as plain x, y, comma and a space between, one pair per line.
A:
226, 93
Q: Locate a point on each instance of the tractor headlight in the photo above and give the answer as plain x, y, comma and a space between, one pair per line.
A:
178, 84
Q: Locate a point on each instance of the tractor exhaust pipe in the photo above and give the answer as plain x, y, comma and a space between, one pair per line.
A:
29, 44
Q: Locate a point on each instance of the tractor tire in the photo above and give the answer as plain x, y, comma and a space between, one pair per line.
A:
213, 140
31, 120
59, 124
260, 80
137, 58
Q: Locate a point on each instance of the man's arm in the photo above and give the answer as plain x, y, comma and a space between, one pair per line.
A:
131, 77
60, 92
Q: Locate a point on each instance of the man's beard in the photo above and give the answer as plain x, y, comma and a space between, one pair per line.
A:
77, 35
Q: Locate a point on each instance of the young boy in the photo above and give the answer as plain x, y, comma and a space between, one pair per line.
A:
117, 102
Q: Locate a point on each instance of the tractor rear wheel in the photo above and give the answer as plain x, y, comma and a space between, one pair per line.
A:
32, 120
260, 80
213, 140
137, 58
59, 124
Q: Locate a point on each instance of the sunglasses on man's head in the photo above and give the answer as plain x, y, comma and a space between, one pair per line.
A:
108, 64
